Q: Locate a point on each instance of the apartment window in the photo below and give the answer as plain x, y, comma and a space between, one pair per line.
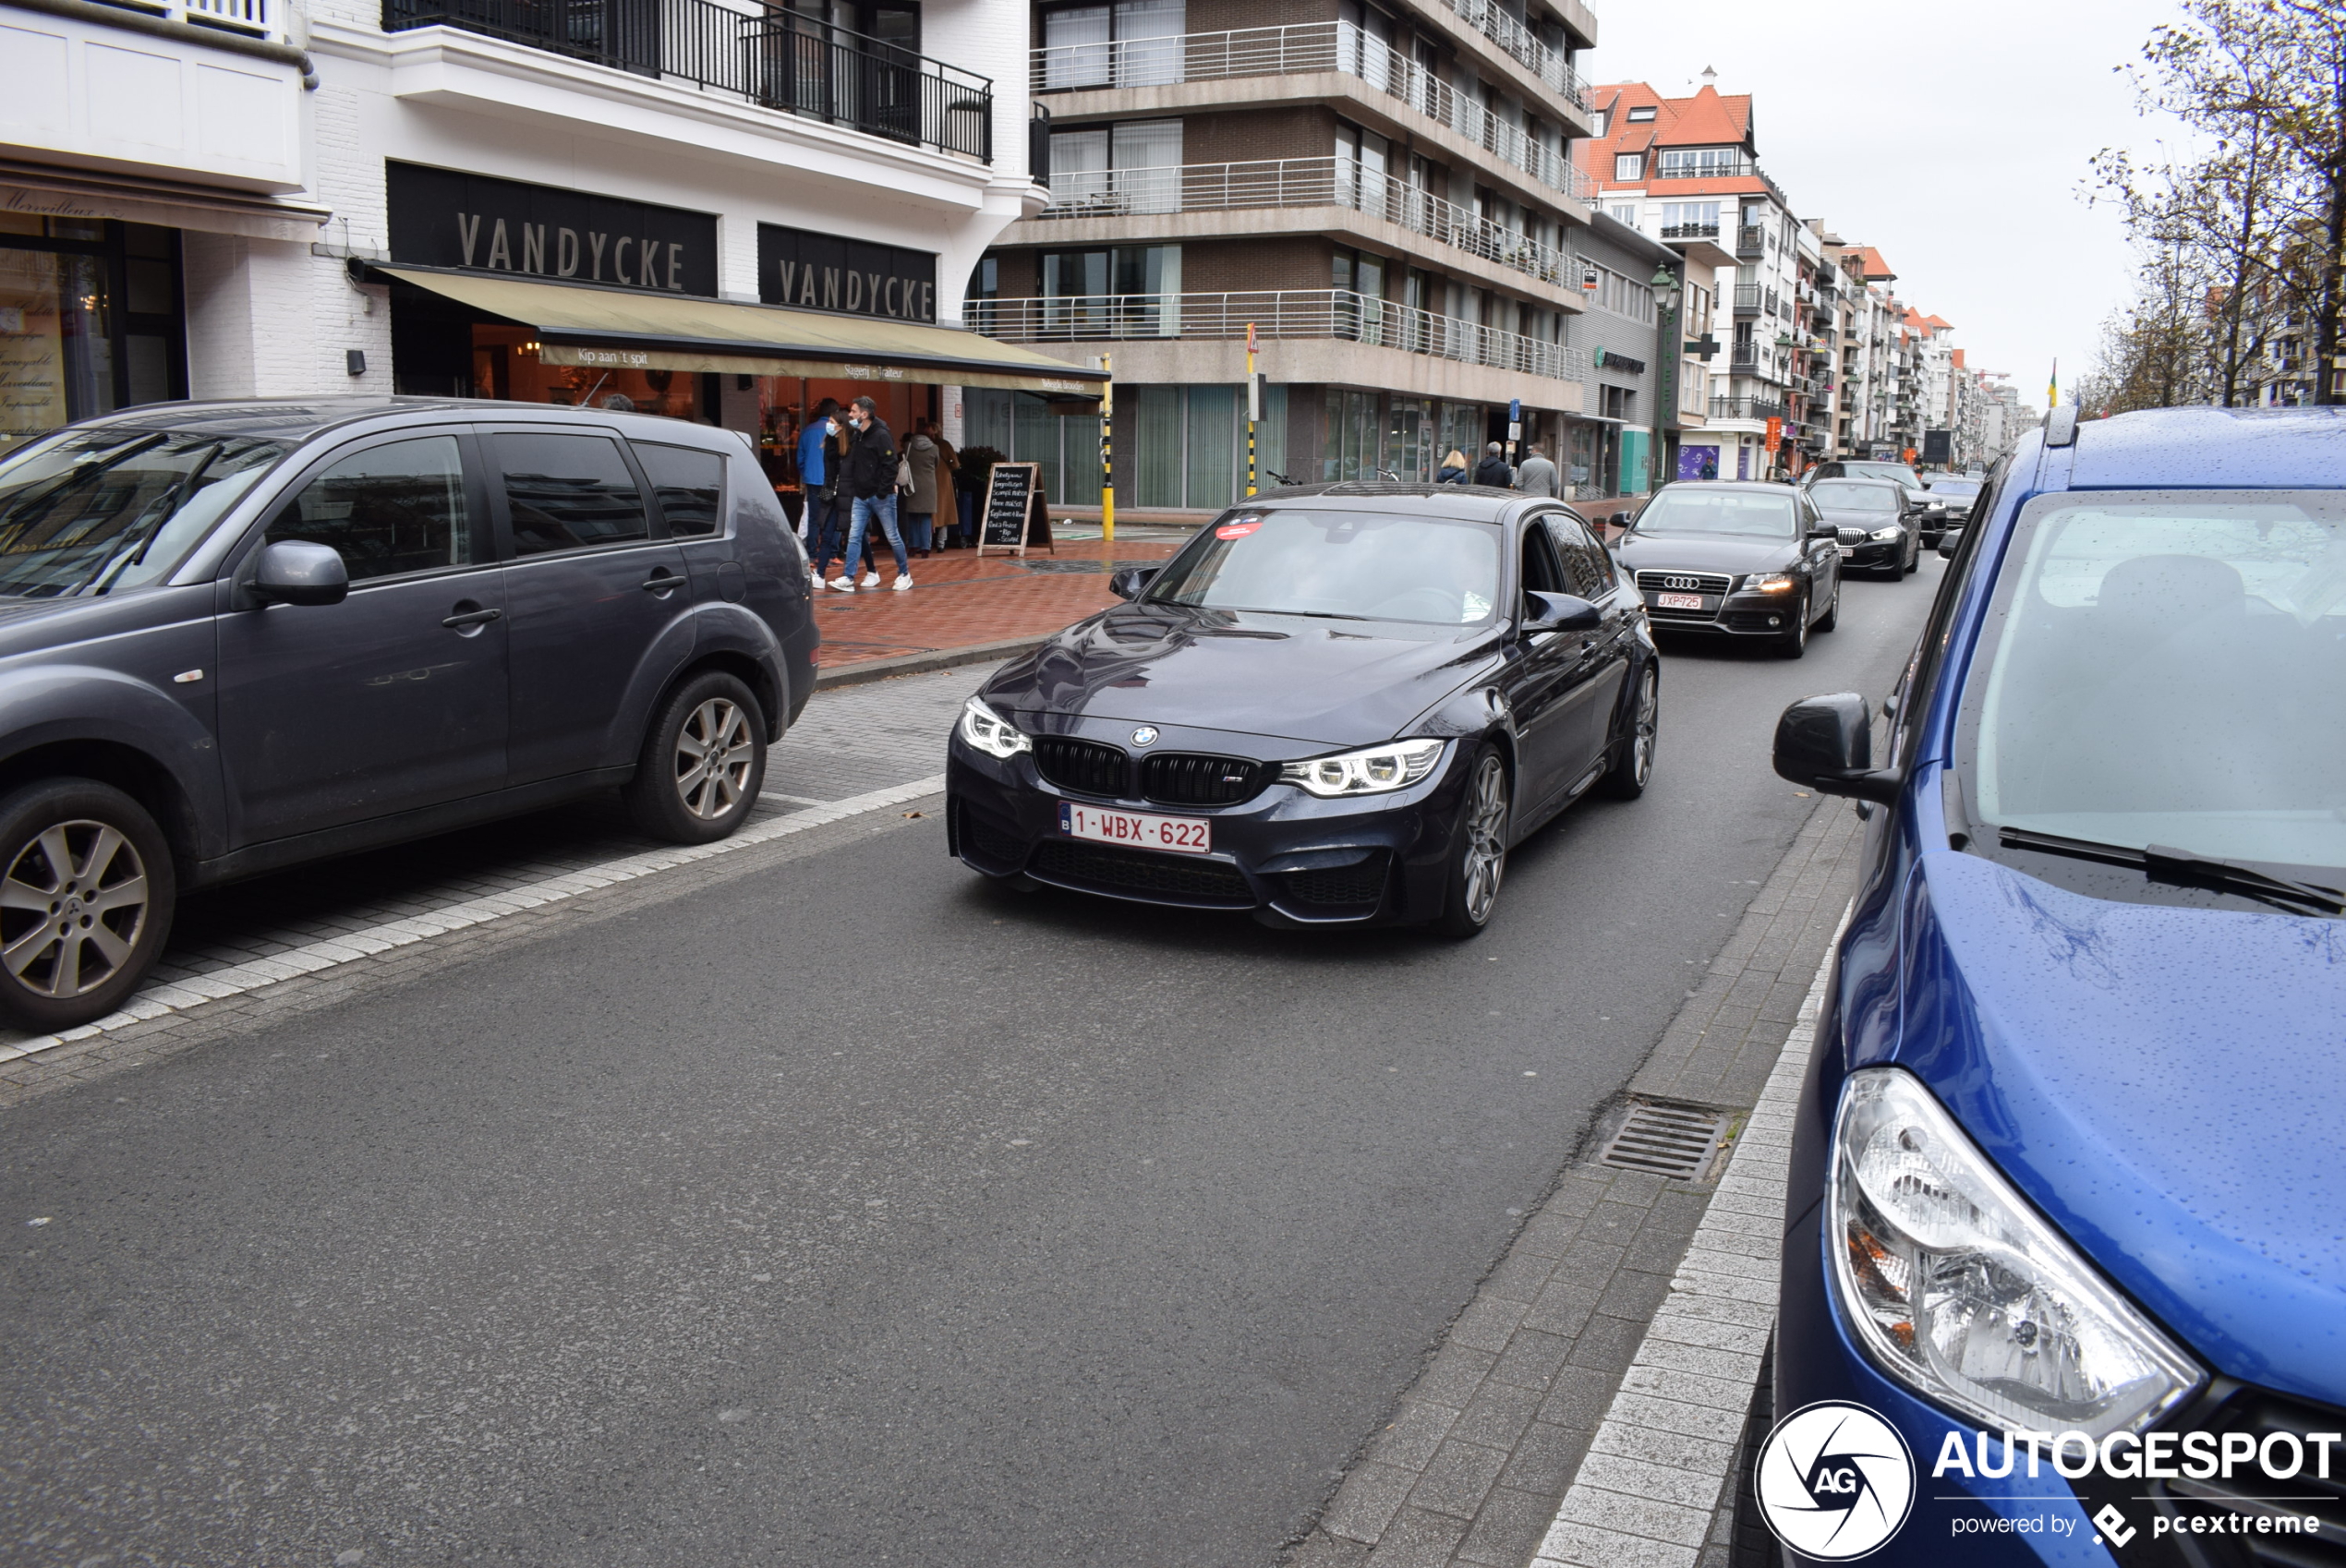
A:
1619, 402
1626, 213
1628, 165
1130, 44
1622, 295
1600, 119
1692, 162
1133, 167
1641, 115
1361, 158
1677, 215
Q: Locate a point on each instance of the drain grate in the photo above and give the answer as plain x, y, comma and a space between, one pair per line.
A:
1676, 1142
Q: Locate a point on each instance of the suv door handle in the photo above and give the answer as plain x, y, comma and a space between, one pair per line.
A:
471, 618
662, 583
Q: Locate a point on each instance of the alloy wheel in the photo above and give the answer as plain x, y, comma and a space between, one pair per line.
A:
1649, 716
73, 906
715, 751
1486, 848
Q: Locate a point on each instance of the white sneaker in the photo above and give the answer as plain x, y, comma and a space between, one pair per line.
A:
903, 580
869, 580
841, 584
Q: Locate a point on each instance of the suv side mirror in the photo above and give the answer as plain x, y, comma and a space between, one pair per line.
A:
1827, 743
1560, 612
1128, 582
295, 572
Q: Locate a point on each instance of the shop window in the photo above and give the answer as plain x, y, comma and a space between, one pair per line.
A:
389, 510
89, 321
569, 492
690, 486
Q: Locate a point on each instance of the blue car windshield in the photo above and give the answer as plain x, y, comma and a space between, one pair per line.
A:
2169, 669
1345, 565
109, 508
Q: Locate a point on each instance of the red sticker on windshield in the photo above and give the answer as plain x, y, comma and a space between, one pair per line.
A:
1236, 530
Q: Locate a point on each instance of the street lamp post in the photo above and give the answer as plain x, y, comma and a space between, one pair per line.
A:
1669, 351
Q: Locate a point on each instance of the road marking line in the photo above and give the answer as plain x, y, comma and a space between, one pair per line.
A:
257, 974
1626, 1505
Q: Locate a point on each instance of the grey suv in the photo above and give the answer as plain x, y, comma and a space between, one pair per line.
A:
238, 635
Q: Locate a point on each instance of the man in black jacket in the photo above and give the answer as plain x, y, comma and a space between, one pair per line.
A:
1493, 470
867, 477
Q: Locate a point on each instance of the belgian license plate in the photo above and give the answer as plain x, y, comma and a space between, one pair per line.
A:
1848, 550
1677, 601
1183, 835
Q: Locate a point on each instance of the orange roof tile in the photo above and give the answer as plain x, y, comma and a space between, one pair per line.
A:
1707, 119
1875, 269
1938, 323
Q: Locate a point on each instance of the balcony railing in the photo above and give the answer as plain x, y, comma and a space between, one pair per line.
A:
1297, 50
254, 19
1750, 240
1690, 231
1746, 299
1526, 48
1746, 408
774, 59
1301, 182
1281, 313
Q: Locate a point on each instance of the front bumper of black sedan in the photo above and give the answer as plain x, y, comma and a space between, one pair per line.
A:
1739, 613
1283, 854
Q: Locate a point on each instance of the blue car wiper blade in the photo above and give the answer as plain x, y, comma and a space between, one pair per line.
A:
2183, 867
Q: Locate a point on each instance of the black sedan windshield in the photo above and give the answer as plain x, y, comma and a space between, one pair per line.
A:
112, 507
2170, 671
1962, 489
1752, 514
1897, 471
1349, 565
1854, 494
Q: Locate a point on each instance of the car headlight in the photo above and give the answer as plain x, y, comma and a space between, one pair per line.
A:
1959, 1289
1769, 582
1881, 535
990, 732
1369, 772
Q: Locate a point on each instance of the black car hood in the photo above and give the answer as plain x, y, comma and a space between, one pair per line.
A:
1706, 552
1301, 678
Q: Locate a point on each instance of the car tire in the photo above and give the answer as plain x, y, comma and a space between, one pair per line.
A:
1627, 779
1477, 857
676, 794
111, 911
1832, 616
1795, 643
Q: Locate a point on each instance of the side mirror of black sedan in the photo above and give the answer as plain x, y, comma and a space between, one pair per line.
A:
295, 572
1560, 612
1827, 743
1128, 582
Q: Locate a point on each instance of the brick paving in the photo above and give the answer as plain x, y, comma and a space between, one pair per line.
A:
960, 599
1488, 1441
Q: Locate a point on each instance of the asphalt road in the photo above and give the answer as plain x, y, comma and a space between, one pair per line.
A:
848, 1212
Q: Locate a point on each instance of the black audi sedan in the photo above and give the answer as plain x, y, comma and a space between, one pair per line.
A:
1874, 527
1335, 705
1737, 559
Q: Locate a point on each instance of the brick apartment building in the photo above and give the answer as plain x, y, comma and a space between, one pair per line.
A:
1385, 194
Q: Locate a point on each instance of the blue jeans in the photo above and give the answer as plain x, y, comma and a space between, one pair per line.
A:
866, 508
919, 530
823, 543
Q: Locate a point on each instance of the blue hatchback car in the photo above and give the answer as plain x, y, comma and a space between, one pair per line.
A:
2067, 1199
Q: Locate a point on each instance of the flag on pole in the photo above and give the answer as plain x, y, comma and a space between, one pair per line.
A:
2053, 388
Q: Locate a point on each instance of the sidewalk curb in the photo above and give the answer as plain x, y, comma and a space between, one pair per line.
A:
922, 663
1665, 1453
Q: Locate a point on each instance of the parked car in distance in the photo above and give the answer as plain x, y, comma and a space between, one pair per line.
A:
1735, 557
1874, 530
235, 636
1928, 511
2066, 1156
1338, 705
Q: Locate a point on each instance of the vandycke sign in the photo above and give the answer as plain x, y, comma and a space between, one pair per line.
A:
440, 217
824, 273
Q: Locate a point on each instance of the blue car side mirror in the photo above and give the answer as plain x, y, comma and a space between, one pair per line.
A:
1827, 743
296, 571
1560, 612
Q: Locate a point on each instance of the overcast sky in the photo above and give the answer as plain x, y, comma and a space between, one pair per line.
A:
1952, 138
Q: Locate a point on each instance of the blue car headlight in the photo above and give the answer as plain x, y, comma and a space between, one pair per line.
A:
1395, 765
990, 732
1960, 1290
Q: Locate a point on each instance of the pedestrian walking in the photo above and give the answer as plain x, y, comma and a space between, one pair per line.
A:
1493, 470
868, 478
1453, 470
920, 503
949, 463
818, 482
1538, 476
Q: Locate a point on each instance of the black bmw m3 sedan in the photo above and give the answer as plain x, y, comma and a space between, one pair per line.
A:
1335, 705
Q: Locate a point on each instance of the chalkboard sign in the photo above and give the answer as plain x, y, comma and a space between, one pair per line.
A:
1011, 490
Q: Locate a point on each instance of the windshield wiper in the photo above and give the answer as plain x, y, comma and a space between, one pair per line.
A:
2183, 868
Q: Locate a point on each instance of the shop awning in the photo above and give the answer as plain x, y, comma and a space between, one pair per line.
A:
626, 329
